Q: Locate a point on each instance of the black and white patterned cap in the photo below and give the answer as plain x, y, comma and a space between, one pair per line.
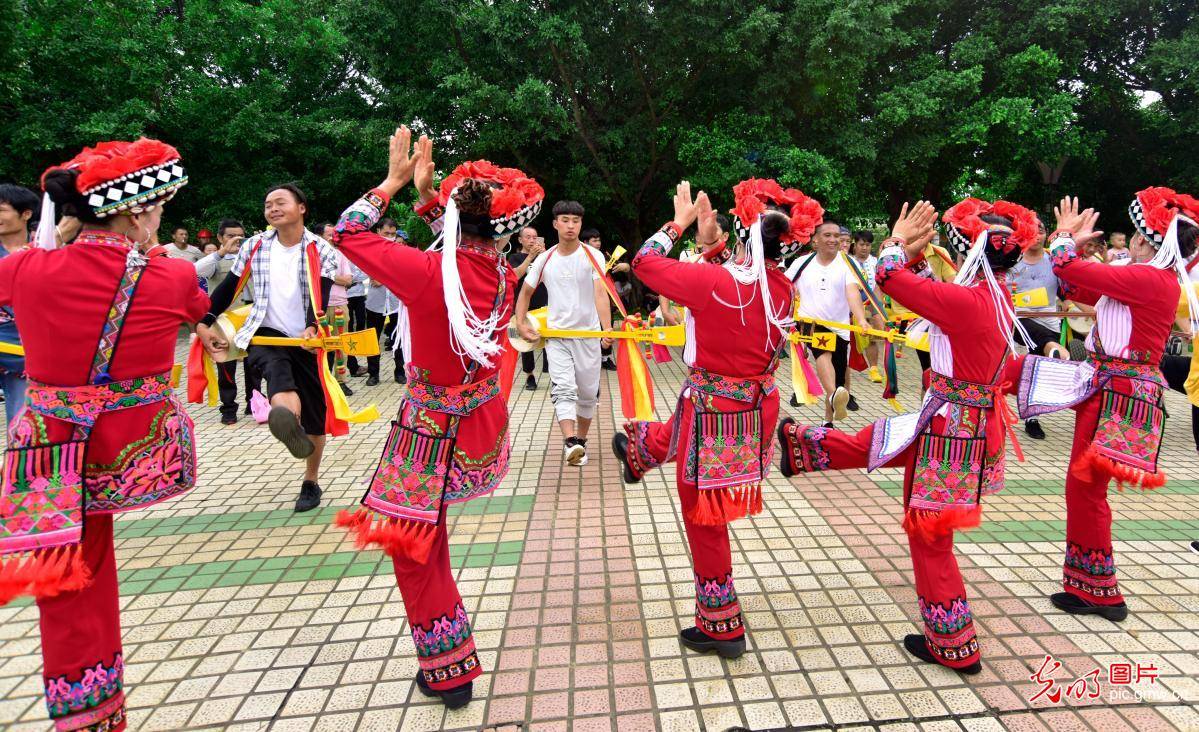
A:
1136, 212
508, 225
137, 191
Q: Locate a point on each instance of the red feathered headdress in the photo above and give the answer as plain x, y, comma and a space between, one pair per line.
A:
751, 197
1154, 208
119, 177
515, 201
965, 223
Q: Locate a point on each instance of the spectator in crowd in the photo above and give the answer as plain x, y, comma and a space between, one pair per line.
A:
203, 239
828, 291
180, 249
385, 312
862, 252
214, 268
1033, 271
356, 304
18, 208
844, 240
280, 263
591, 237
578, 300
531, 246
1118, 247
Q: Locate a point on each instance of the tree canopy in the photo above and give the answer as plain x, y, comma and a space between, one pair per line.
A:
861, 103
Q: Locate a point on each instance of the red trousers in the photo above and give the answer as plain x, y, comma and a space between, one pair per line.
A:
81, 643
1089, 569
445, 647
941, 594
717, 609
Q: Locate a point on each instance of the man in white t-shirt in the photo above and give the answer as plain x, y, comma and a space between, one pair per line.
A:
828, 291
571, 272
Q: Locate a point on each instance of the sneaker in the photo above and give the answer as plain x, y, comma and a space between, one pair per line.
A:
310, 496
228, 419
852, 404
839, 399
1032, 428
583, 444
699, 641
827, 425
1195, 547
345, 389
459, 696
794, 401
915, 644
285, 426
530, 383
874, 375
573, 451
1075, 605
401, 378
786, 466
620, 446
372, 381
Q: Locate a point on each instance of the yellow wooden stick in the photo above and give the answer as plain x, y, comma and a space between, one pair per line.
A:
358, 343
820, 341
668, 335
14, 349
919, 342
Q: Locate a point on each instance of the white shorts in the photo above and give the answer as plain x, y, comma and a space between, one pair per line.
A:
574, 376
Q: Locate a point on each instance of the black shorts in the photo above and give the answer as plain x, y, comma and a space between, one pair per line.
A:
291, 368
840, 354
1039, 334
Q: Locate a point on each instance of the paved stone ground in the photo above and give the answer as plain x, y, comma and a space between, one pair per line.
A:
239, 614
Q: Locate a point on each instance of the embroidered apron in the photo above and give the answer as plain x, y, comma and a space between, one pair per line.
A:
46, 492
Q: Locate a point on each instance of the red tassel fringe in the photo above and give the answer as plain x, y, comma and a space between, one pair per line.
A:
1124, 475
43, 573
720, 506
396, 537
930, 526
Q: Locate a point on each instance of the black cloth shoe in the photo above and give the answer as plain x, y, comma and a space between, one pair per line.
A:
699, 641
607, 365
229, 418
401, 378
372, 381
310, 496
794, 401
1075, 605
915, 645
1032, 428
852, 404
345, 389
786, 466
361, 371
530, 383
620, 446
247, 411
459, 696
285, 426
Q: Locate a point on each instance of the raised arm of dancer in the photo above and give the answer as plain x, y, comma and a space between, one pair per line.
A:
404, 270
1085, 278
689, 284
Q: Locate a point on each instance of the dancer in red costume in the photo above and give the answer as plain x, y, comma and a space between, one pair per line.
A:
449, 443
108, 398
1116, 393
952, 450
729, 404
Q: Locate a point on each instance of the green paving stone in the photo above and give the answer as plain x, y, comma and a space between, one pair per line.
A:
327, 572
200, 581
297, 574
233, 579
510, 546
507, 560
339, 558
214, 567
134, 588
180, 570
278, 563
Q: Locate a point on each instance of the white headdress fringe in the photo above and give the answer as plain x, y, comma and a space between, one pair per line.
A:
1005, 313
470, 336
46, 226
1169, 256
752, 269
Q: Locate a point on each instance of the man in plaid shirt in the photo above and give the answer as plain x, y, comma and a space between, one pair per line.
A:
277, 262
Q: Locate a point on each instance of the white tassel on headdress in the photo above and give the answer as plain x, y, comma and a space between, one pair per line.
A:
1005, 313
47, 233
470, 336
1169, 256
752, 269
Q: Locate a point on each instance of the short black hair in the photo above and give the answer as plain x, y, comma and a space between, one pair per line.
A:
723, 222
320, 228
386, 221
227, 224
866, 236
568, 208
179, 228
21, 199
589, 234
291, 188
